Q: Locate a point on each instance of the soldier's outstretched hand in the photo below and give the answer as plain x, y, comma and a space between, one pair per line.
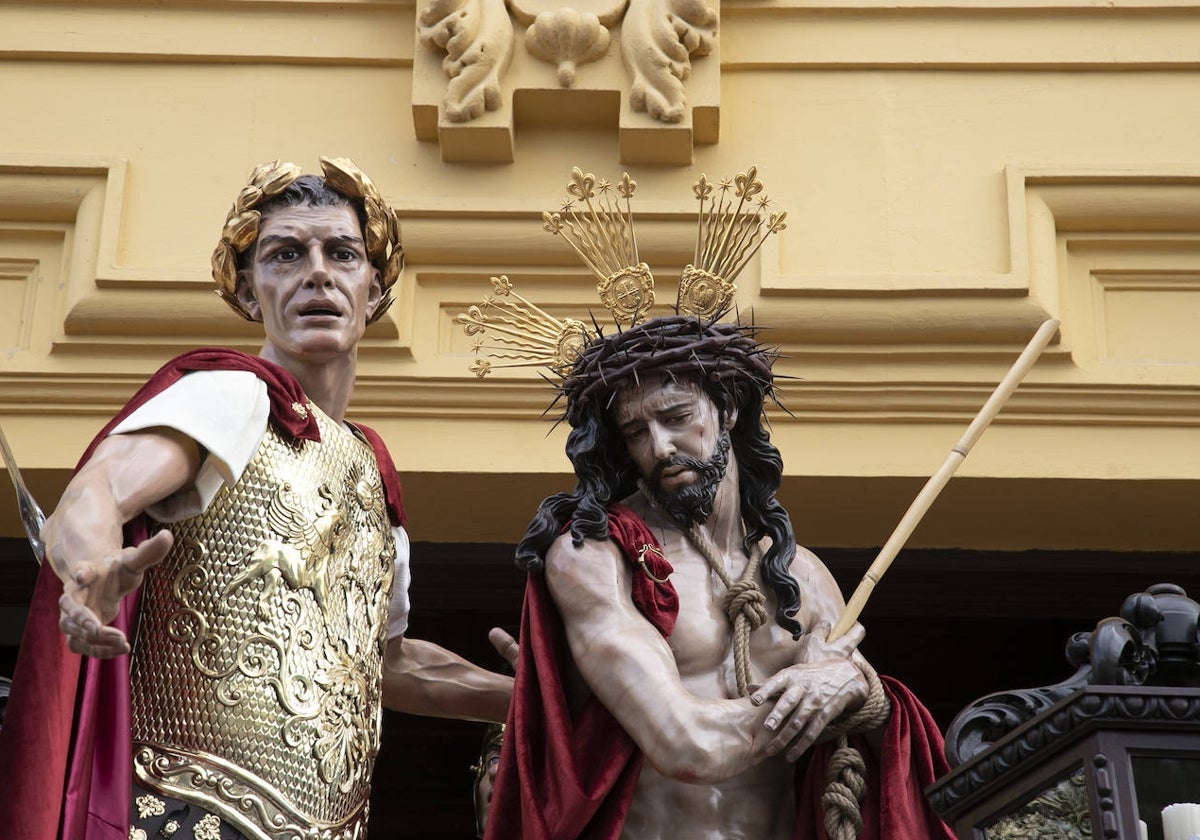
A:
93, 593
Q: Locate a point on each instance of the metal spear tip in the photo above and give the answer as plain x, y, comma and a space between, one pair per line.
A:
32, 517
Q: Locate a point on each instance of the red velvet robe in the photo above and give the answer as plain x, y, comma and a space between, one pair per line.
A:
65, 749
572, 777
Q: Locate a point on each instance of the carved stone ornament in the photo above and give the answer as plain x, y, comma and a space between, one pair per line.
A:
477, 37
567, 38
657, 41
1154, 641
466, 103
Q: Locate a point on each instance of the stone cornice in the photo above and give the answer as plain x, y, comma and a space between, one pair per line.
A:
401, 397
914, 35
920, 347
352, 32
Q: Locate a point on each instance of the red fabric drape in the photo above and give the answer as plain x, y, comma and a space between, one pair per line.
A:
564, 776
64, 746
392, 492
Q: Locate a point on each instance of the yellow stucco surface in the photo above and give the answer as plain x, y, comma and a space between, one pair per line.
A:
953, 173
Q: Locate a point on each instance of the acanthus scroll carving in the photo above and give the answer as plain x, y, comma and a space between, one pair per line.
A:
567, 33
477, 36
658, 39
666, 104
1154, 641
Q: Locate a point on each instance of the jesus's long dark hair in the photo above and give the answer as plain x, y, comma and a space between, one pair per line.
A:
734, 371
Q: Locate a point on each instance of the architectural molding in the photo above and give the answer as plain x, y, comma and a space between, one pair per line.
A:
1154, 708
303, 32
811, 34
1103, 250
991, 34
104, 306
1068, 230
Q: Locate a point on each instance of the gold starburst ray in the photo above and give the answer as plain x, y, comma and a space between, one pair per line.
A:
718, 221
609, 223
582, 188
602, 240
748, 186
614, 223
499, 352
775, 223
569, 232
590, 234
702, 190
513, 331
526, 359
516, 328
596, 220
618, 223
626, 189
744, 232
595, 224
537, 321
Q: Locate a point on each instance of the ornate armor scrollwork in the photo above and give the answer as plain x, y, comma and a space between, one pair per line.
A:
257, 671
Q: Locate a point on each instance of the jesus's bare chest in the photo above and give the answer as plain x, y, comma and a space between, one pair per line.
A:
702, 640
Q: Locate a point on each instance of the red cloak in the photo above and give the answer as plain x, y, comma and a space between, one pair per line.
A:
566, 776
65, 749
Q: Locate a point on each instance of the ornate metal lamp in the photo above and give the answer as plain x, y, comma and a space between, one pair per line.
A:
1099, 755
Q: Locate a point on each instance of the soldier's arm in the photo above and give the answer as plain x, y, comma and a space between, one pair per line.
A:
126, 474
630, 667
422, 678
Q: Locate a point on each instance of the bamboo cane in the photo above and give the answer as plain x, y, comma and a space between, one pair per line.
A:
916, 511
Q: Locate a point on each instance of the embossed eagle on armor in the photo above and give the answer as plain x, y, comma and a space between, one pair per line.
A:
301, 557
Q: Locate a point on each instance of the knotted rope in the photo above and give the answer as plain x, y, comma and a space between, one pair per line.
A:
845, 778
745, 603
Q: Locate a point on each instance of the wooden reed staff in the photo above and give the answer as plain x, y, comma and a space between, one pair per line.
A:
916, 511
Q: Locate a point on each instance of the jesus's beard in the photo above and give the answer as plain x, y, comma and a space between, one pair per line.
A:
693, 503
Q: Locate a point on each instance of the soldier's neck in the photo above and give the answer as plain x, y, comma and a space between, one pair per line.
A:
329, 383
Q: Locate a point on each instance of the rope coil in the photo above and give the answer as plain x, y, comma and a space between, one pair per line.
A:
845, 778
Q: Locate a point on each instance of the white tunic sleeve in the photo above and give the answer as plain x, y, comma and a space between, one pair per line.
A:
399, 607
225, 412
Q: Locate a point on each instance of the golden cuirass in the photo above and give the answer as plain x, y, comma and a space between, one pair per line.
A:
257, 669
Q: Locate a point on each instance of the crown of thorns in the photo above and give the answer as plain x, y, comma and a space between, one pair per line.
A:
727, 354
381, 232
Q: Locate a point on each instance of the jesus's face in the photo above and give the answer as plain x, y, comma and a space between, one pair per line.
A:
679, 441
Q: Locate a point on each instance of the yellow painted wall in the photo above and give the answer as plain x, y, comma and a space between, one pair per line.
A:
954, 173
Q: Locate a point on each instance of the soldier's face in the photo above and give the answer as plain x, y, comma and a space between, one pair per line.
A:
310, 282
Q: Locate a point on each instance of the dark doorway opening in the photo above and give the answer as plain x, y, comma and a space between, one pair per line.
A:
953, 625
